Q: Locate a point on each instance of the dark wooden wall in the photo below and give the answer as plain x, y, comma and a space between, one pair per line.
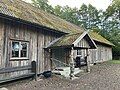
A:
1, 44
38, 38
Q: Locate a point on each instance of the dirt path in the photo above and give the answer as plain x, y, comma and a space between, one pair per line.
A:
102, 77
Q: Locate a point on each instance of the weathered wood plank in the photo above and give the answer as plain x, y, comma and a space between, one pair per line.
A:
14, 69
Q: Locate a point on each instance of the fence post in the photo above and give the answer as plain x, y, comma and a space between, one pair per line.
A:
34, 69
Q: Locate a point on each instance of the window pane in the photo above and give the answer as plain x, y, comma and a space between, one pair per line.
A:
79, 52
24, 49
15, 49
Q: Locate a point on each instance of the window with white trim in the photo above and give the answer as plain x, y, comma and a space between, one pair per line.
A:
19, 49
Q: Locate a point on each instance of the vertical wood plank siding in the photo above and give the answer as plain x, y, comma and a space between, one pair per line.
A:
37, 38
83, 44
101, 54
2, 46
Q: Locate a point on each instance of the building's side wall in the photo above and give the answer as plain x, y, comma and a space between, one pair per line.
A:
104, 53
1, 44
16, 31
37, 38
44, 39
101, 54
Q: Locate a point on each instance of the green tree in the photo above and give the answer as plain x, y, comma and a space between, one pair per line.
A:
58, 11
113, 16
43, 4
114, 9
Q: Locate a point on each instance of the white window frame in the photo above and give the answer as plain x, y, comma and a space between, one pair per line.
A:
19, 58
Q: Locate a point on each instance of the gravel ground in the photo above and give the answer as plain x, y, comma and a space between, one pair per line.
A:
103, 76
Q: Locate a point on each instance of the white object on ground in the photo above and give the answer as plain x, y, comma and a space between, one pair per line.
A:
65, 71
3, 88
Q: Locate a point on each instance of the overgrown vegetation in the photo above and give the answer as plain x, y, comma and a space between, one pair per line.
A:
106, 23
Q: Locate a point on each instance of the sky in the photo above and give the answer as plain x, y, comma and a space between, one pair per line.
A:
99, 4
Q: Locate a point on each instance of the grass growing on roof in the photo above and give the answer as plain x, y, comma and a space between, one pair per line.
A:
99, 38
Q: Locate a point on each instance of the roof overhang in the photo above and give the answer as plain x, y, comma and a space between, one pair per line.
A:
25, 22
89, 39
85, 35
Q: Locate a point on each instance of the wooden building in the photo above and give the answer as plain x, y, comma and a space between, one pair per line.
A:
29, 34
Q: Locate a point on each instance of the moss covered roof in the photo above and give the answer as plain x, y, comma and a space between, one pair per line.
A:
66, 40
25, 11
97, 37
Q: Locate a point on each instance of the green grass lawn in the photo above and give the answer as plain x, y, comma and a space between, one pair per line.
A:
114, 61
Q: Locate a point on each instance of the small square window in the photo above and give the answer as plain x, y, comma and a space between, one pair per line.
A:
19, 49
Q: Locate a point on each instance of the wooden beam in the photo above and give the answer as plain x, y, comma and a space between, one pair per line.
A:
14, 69
34, 69
16, 78
72, 66
79, 48
88, 60
51, 62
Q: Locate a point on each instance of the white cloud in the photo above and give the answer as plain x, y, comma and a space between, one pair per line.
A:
99, 4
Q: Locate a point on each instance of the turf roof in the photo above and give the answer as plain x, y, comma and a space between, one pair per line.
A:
25, 11
66, 40
97, 37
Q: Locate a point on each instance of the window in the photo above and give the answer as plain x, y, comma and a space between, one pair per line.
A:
79, 52
19, 50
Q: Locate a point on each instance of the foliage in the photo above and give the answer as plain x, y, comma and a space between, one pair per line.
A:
113, 16
106, 23
43, 4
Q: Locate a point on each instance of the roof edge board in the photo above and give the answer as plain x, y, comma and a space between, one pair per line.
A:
92, 41
54, 41
82, 36
77, 40
4, 16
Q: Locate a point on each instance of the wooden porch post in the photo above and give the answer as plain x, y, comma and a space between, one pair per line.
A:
88, 61
50, 53
72, 67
